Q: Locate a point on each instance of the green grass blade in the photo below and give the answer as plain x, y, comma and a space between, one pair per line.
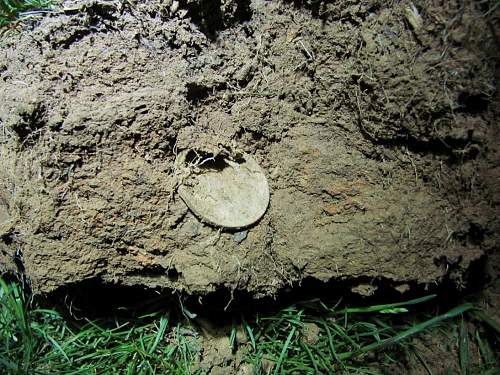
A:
423, 362
491, 371
58, 347
481, 315
394, 310
485, 352
388, 307
284, 350
159, 336
344, 335
8, 364
311, 357
249, 333
232, 337
463, 348
409, 332
10, 9
331, 347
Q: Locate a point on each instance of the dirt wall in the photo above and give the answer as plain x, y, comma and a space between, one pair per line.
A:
374, 123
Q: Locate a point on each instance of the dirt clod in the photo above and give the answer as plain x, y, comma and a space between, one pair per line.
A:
373, 123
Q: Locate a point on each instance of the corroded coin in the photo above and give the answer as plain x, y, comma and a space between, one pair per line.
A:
230, 195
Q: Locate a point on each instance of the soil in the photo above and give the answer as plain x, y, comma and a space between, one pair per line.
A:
375, 123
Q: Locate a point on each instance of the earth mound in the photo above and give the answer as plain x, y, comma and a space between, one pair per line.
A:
373, 123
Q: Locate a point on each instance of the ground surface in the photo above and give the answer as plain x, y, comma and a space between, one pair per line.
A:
374, 122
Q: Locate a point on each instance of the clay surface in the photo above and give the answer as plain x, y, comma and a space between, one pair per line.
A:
374, 125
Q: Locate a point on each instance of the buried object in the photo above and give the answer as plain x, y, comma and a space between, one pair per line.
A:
226, 193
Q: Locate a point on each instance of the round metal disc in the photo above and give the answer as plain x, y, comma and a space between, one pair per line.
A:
235, 196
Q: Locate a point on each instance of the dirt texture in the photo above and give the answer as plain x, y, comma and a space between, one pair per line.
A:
375, 122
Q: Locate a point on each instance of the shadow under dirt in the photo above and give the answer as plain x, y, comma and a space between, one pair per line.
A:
94, 299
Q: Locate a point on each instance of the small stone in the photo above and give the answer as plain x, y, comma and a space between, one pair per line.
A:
267, 365
311, 333
239, 237
365, 290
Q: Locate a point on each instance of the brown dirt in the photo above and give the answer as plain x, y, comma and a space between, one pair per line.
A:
376, 130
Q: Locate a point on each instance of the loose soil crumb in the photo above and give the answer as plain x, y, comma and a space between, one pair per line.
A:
373, 121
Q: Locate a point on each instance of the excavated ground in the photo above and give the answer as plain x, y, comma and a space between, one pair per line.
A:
375, 123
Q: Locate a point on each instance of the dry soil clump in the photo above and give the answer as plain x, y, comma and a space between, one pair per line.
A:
372, 121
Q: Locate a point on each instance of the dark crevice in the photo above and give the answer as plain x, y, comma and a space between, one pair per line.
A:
30, 123
173, 275
475, 234
91, 17
19, 261
171, 144
457, 150
8, 238
197, 92
258, 139
67, 172
473, 104
243, 11
95, 298
121, 250
211, 15
104, 10
321, 9
178, 220
151, 271
206, 161
207, 15
74, 37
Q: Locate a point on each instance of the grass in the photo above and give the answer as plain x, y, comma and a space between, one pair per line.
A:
356, 340
41, 341
11, 9
305, 338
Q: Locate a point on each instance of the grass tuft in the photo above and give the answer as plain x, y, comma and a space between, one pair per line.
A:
352, 340
311, 337
11, 9
36, 341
